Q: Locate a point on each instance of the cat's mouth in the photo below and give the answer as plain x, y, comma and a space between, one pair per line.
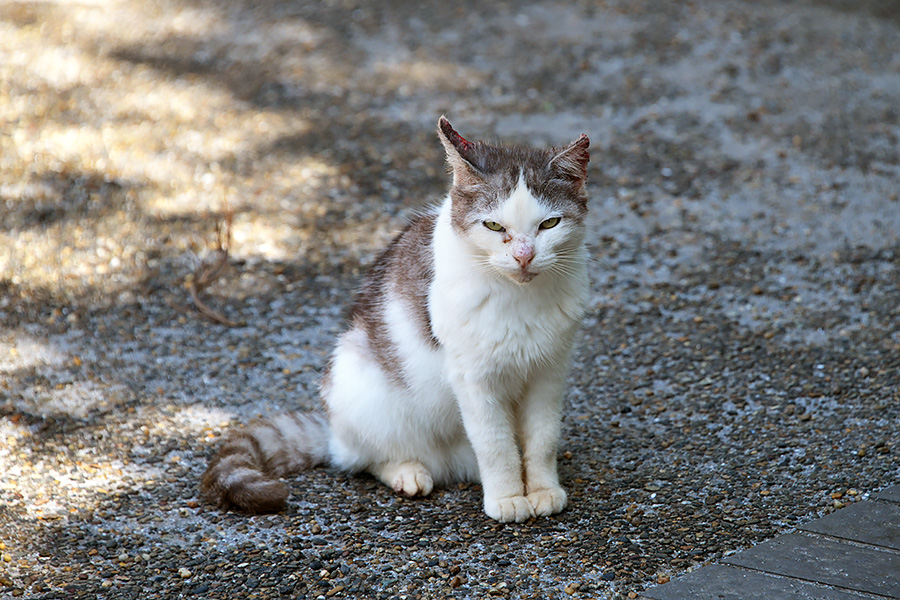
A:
524, 276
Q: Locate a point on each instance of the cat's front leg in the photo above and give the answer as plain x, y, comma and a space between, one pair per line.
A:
538, 420
489, 425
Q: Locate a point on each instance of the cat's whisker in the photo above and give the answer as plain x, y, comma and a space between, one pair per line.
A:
484, 266
568, 273
573, 258
567, 261
566, 268
596, 261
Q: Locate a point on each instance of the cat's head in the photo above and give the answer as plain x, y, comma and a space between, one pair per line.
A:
521, 209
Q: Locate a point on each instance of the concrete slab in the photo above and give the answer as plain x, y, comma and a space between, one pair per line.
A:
891, 494
876, 523
720, 582
826, 561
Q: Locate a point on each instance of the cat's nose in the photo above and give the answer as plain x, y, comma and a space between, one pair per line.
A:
524, 254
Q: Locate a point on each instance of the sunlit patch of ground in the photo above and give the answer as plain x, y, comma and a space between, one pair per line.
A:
129, 128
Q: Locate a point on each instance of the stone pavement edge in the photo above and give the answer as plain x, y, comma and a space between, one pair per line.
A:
849, 554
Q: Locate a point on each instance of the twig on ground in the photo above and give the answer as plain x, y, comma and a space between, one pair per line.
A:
209, 271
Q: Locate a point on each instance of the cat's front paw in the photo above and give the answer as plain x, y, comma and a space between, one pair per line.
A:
509, 509
547, 501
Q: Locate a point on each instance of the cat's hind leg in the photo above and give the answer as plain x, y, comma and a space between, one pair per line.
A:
380, 426
410, 478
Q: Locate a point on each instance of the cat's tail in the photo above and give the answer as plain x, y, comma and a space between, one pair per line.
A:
244, 474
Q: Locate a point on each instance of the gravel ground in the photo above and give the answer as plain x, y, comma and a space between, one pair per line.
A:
738, 374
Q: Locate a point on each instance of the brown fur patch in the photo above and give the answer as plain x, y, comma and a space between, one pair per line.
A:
242, 476
405, 269
241, 451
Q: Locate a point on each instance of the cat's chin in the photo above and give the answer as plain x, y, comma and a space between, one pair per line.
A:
516, 275
523, 277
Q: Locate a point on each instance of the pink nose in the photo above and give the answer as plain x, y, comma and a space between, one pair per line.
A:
524, 254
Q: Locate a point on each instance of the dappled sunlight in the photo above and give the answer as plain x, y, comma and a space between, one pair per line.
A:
75, 478
44, 379
153, 154
24, 352
406, 75
74, 400
63, 253
54, 485
144, 123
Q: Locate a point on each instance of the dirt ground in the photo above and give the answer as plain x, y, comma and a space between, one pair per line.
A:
738, 372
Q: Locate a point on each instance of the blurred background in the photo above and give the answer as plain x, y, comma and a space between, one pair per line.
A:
128, 125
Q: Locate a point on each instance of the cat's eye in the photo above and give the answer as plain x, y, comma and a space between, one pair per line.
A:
549, 223
494, 226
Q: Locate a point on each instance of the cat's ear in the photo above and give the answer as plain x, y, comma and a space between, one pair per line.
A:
461, 153
572, 161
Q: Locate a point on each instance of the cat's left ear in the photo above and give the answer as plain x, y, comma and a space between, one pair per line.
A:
461, 153
572, 161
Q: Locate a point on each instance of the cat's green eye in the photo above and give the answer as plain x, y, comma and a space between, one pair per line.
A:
494, 226
549, 223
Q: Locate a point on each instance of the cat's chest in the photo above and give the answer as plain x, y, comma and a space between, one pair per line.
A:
515, 327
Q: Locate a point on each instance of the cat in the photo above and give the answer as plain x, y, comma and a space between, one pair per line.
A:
454, 364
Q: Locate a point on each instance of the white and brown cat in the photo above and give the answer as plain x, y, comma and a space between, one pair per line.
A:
454, 363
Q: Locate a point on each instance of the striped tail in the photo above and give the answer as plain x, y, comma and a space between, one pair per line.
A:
244, 474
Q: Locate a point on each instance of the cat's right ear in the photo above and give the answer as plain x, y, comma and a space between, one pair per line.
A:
461, 153
572, 161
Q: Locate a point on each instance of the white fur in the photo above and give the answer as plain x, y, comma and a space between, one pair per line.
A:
495, 383
377, 422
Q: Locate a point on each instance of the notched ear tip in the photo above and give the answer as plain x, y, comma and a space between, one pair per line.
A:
451, 136
582, 143
580, 148
446, 130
